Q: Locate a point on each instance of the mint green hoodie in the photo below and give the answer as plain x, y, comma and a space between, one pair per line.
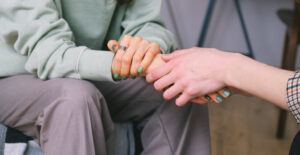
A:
67, 38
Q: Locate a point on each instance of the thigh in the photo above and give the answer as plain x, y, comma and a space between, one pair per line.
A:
23, 99
130, 100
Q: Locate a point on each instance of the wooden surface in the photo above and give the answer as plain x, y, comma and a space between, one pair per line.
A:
247, 126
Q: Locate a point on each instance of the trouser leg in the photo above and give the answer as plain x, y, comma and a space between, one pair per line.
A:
66, 116
166, 128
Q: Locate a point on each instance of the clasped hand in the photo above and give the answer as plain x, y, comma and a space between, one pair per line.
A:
174, 77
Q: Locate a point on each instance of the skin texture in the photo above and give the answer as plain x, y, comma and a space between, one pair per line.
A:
151, 61
197, 71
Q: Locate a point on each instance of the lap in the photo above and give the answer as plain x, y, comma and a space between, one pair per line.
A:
23, 97
130, 100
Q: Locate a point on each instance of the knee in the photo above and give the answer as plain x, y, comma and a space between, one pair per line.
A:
76, 95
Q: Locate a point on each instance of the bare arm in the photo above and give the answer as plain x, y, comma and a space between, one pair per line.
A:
259, 79
199, 71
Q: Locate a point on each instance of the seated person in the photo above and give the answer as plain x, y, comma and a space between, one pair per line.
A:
61, 86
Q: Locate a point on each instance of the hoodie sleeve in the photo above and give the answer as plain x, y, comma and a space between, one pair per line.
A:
36, 30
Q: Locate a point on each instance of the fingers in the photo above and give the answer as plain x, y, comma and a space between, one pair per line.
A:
183, 99
156, 62
152, 51
117, 61
216, 97
225, 93
200, 100
164, 82
128, 56
173, 91
159, 72
138, 57
113, 45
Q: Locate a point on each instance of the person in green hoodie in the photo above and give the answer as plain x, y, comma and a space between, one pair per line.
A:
61, 85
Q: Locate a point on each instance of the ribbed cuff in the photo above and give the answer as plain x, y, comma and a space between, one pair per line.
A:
95, 65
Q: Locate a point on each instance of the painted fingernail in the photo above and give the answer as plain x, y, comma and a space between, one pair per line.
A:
116, 76
140, 70
207, 97
114, 47
133, 77
219, 99
124, 78
226, 93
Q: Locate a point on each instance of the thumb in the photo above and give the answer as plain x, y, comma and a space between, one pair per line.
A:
113, 45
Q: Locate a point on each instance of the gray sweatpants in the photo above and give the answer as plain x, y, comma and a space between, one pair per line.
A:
75, 117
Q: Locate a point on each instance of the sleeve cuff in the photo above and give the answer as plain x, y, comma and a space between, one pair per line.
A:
293, 97
95, 65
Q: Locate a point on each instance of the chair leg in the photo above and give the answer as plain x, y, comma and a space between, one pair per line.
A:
281, 124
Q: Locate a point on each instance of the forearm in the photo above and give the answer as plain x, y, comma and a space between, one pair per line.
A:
259, 79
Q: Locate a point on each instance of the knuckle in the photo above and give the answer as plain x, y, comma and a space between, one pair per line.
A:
137, 58
151, 53
118, 59
137, 38
145, 42
190, 92
184, 83
176, 75
155, 45
126, 60
175, 63
126, 36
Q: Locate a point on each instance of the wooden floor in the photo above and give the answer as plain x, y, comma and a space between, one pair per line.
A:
247, 126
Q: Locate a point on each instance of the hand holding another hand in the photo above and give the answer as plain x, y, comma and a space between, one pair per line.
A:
128, 61
133, 56
191, 73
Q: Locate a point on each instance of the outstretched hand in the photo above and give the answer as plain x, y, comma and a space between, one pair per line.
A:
191, 73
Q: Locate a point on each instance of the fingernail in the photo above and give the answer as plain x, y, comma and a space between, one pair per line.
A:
114, 47
140, 70
124, 78
219, 99
207, 97
226, 93
116, 76
133, 77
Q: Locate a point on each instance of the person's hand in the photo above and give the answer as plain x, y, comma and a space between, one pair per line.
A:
133, 56
113, 45
217, 97
191, 73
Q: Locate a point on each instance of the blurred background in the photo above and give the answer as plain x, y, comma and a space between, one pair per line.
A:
241, 125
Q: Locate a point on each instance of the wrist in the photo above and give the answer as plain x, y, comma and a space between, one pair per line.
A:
235, 66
